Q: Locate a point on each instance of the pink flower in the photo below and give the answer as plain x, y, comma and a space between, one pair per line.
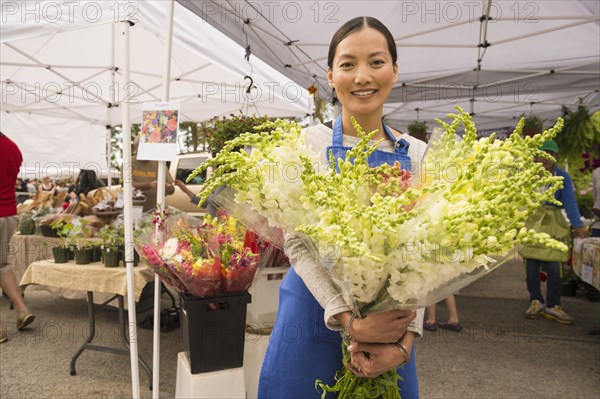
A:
183, 245
151, 253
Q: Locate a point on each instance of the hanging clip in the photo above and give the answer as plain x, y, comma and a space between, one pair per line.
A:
248, 53
251, 85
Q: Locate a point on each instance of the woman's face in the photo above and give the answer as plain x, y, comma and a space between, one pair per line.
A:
362, 72
548, 164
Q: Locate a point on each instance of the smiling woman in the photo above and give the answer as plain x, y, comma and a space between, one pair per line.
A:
305, 345
362, 71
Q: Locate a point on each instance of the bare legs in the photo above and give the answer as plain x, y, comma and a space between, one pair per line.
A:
452, 311
8, 282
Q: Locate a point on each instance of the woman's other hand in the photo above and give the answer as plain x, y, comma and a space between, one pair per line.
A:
371, 360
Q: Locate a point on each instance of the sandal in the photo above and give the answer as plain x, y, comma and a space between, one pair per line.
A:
450, 326
429, 326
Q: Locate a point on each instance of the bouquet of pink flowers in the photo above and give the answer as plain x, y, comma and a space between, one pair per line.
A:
202, 258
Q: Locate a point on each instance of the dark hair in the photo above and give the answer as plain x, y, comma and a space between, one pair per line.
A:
86, 181
355, 25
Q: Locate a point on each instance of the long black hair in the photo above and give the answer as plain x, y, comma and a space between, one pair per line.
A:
86, 181
355, 25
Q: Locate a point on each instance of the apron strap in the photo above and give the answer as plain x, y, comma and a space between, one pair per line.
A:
338, 135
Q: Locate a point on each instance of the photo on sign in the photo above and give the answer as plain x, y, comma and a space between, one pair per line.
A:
159, 127
158, 132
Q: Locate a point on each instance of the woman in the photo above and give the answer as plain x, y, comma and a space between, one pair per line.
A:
306, 344
87, 181
47, 186
554, 224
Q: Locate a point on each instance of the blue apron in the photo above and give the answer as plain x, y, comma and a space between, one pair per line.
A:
378, 157
301, 348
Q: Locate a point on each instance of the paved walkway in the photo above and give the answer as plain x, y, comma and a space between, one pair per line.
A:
499, 354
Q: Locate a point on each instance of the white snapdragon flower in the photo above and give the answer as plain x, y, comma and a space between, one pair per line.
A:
169, 250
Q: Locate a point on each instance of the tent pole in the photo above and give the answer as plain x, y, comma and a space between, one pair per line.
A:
160, 199
127, 196
541, 32
112, 100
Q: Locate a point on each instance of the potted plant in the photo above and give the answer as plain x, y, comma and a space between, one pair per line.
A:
111, 241
533, 125
96, 251
82, 245
62, 229
418, 129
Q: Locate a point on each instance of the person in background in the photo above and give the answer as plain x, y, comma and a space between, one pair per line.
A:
31, 188
87, 181
144, 177
209, 205
9, 168
552, 309
21, 189
47, 186
62, 186
452, 324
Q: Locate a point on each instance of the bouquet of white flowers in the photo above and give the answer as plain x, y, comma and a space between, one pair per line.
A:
400, 239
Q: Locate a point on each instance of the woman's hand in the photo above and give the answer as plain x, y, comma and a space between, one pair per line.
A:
581, 232
380, 327
371, 360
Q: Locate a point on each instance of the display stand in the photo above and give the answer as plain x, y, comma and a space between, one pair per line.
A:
254, 355
212, 385
265, 299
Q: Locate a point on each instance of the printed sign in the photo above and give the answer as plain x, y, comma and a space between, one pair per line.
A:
158, 133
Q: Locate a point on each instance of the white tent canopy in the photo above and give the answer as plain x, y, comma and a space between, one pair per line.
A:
510, 56
61, 66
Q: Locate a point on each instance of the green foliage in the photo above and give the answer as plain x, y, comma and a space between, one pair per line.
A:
192, 135
112, 237
116, 144
80, 232
63, 229
220, 130
582, 180
579, 144
580, 133
26, 224
417, 127
532, 122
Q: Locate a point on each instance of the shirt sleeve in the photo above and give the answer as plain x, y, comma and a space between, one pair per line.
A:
416, 326
316, 279
567, 197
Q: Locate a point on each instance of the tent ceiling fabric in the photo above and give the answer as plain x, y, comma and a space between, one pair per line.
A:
526, 49
57, 62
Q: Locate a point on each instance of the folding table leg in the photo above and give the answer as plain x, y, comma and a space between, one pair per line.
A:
91, 332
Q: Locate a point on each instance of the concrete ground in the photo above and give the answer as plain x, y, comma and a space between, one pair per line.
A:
499, 353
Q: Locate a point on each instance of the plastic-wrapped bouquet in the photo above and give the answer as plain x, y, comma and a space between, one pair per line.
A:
202, 258
391, 238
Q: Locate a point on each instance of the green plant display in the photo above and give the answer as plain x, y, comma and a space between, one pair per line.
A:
417, 127
112, 237
80, 233
532, 122
220, 130
579, 135
63, 230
